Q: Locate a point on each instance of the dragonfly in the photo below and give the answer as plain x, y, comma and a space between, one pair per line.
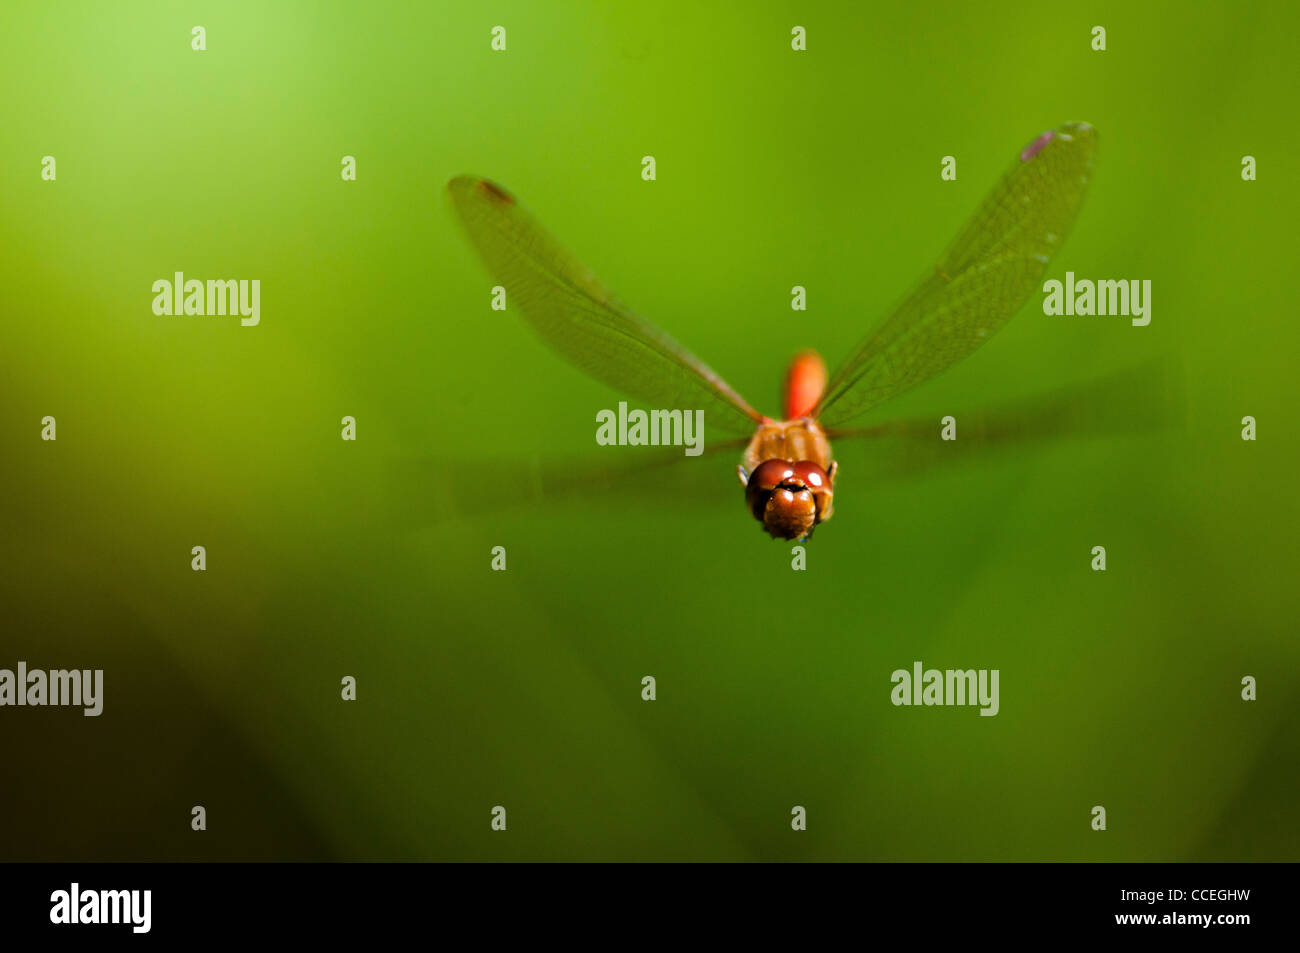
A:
788, 469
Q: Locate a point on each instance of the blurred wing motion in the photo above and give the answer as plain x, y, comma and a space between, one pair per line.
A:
509, 483
1144, 399
995, 263
578, 317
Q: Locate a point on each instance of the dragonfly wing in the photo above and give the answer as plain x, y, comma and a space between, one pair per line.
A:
431, 491
1147, 398
578, 317
980, 281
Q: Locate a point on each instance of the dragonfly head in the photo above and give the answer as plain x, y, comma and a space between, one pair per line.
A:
789, 499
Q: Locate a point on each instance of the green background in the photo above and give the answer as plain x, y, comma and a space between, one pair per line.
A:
522, 688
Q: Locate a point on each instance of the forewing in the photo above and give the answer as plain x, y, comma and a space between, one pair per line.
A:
995, 263
578, 317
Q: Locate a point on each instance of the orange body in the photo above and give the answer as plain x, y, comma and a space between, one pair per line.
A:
788, 471
804, 383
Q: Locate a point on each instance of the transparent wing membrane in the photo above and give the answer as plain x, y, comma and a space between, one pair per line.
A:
1147, 398
995, 263
512, 483
577, 316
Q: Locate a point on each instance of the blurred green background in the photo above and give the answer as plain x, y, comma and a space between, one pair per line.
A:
522, 688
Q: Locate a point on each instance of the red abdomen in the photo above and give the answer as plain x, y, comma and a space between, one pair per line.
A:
804, 384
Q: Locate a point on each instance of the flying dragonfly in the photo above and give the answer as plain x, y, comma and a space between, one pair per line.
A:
787, 468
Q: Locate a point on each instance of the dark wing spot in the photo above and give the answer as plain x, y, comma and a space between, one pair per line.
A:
494, 191
1036, 146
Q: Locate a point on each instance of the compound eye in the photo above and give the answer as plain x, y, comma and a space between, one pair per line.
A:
811, 475
770, 474
767, 476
